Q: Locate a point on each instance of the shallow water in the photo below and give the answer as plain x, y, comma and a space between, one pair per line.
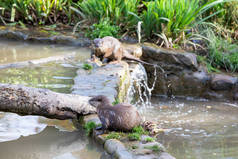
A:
16, 51
37, 140
56, 76
196, 129
33, 137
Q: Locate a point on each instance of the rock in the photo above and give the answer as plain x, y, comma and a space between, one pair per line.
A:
105, 156
220, 82
151, 144
113, 145
43, 36
183, 76
165, 155
111, 80
174, 58
133, 49
151, 156
122, 154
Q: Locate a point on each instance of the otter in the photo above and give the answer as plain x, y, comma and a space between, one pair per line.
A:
118, 117
110, 49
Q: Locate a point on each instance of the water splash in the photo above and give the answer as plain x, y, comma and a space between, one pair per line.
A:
139, 31
139, 92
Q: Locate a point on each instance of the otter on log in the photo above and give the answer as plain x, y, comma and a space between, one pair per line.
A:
119, 117
110, 49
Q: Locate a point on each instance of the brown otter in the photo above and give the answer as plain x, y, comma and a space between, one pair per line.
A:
110, 49
119, 117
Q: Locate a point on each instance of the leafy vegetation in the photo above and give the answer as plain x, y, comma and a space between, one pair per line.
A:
87, 66
149, 139
116, 10
37, 11
139, 130
169, 23
223, 54
89, 127
116, 102
134, 136
102, 29
136, 133
115, 135
154, 148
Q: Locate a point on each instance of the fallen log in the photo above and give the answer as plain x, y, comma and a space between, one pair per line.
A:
36, 101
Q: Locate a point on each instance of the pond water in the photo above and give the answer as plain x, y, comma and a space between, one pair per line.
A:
16, 51
33, 137
196, 129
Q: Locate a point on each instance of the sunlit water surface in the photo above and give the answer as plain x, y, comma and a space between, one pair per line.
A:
33, 137
196, 129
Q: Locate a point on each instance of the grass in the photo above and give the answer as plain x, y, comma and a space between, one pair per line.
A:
89, 127
136, 133
149, 139
154, 148
222, 53
139, 130
116, 10
102, 29
169, 23
134, 136
116, 102
87, 66
173, 18
115, 135
37, 12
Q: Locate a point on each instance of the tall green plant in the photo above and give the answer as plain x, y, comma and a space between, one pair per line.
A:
222, 53
116, 10
228, 17
38, 11
173, 17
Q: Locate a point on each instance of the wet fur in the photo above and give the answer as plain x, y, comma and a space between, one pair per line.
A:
110, 49
119, 117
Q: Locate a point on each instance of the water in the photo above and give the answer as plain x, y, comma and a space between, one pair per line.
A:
16, 51
34, 137
45, 142
56, 76
196, 129
139, 86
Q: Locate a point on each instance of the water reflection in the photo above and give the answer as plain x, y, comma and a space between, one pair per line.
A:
196, 130
13, 126
50, 144
16, 51
33, 137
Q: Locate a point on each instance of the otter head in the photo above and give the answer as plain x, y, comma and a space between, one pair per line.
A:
98, 101
97, 42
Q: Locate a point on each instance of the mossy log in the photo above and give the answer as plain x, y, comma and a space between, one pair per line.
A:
35, 101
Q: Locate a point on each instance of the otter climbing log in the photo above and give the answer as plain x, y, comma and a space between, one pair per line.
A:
35, 101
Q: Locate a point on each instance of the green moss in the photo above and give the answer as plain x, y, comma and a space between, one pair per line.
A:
149, 139
89, 127
87, 66
154, 148
134, 136
115, 135
116, 102
139, 130
134, 147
